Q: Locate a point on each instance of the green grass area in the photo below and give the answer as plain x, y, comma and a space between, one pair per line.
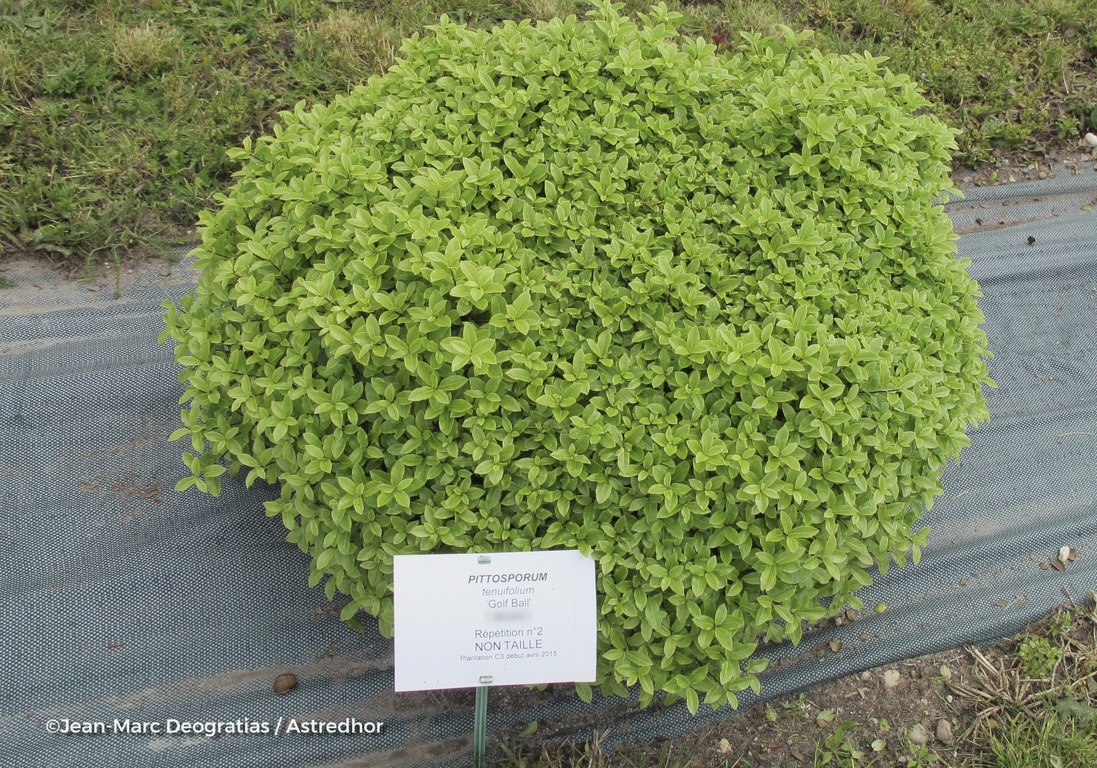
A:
1038, 696
115, 115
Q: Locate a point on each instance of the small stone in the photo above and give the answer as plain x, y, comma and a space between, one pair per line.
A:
918, 735
1091, 139
725, 746
891, 678
285, 683
944, 732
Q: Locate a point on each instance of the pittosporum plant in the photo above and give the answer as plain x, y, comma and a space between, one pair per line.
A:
588, 284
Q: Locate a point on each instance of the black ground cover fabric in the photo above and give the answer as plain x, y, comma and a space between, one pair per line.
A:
121, 599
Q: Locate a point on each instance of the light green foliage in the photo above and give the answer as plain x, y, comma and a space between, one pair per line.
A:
585, 284
1038, 657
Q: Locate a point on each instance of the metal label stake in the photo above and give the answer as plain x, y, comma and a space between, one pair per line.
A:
480, 716
480, 723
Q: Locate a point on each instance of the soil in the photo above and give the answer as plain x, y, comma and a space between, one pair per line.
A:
887, 714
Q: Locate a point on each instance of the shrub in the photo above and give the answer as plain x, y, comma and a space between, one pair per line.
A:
586, 284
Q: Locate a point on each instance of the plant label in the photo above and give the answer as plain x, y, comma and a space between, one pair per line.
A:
510, 618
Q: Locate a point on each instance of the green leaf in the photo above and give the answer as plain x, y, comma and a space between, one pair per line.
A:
349, 611
185, 483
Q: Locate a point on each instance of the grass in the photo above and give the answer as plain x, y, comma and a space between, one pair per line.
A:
1038, 698
115, 116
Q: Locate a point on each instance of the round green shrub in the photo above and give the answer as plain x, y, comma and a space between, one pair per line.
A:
587, 284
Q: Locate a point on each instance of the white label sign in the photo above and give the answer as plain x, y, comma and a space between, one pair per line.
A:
510, 618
